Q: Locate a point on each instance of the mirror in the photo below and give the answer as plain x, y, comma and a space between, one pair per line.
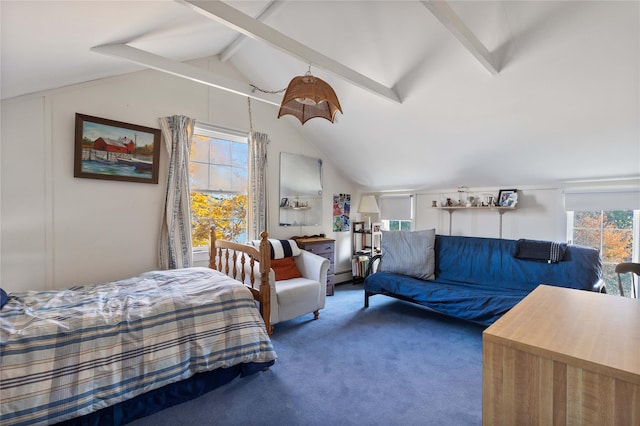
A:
300, 190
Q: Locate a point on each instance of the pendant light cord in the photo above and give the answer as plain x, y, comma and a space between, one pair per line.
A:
250, 117
272, 92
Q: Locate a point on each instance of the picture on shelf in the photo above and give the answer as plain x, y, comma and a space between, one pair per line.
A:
284, 202
508, 197
358, 226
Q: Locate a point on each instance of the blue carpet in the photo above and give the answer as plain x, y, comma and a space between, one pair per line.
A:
393, 363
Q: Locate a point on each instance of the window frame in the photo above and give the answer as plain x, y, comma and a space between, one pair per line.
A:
201, 253
635, 231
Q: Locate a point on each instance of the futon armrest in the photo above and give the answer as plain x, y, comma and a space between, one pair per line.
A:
599, 287
370, 265
312, 266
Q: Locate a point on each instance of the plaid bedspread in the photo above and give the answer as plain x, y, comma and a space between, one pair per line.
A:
70, 352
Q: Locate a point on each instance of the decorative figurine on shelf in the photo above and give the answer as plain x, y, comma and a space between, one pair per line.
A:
462, 195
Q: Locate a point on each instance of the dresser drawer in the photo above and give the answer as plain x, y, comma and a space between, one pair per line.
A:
320, 248
325, 255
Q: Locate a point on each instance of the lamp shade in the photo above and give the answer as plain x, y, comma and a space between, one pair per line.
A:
368, 204
308, 97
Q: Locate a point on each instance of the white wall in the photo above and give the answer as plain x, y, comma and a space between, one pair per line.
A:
539, 215
58, 231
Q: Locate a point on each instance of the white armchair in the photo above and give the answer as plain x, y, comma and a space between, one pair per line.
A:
279, 300
296, 296
299, 296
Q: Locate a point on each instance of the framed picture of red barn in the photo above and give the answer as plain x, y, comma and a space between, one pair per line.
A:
113, 150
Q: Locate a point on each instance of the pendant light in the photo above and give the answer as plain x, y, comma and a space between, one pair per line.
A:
308, 97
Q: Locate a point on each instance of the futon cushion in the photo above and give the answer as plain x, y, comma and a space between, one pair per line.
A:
409, 253
285, 268
280, 248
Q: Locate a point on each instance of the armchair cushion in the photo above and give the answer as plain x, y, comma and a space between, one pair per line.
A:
285, 268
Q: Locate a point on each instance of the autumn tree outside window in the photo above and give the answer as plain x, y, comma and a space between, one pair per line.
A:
614, 233
606, 217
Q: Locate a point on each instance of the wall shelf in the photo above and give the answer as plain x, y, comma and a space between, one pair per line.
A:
500, 209
295, 208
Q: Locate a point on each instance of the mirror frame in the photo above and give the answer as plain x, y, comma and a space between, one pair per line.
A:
300, 205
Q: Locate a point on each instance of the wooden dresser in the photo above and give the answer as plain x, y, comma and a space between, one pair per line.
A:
563, 357
324, 247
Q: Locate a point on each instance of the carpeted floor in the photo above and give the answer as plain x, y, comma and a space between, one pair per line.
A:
393, 363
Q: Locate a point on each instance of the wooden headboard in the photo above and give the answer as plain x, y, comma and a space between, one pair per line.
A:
238, 261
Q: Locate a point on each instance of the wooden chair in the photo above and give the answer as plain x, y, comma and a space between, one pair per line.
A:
634, 270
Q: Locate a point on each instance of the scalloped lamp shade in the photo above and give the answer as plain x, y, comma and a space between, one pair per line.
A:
308, 97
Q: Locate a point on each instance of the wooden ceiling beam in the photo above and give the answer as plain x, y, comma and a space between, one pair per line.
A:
183, 70
237, 43
250, 27
447, 17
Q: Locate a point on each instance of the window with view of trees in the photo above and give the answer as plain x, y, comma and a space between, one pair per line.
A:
396, 212
396, 225
218, 175
614, 233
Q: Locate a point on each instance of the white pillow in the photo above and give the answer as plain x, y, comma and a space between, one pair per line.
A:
280, 248
409, 253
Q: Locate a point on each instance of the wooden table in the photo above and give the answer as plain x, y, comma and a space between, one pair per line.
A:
563, 357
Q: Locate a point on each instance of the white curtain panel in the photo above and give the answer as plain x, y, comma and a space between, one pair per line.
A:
258, 182
175, 233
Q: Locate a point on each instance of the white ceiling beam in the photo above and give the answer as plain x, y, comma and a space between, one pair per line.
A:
183, 70
256, 30
237, 43
447, 17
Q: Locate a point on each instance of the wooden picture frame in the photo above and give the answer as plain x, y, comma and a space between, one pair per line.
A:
358, 227
113, 150
507, 197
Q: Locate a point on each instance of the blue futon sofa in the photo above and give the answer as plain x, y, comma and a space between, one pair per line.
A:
480, 279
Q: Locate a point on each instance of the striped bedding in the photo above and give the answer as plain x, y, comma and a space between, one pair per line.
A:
70, 352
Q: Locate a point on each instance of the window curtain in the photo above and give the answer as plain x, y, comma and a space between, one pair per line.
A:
258, 184
175, 233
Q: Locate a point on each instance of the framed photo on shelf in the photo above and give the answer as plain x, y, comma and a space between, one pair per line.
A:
358, 227
508, 197
113, 150
377, 227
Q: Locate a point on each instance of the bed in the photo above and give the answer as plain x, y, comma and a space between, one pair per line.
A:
113, 352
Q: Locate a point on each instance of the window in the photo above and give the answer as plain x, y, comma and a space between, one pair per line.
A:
218, 177
396, 212
606, 219
396, 225
614, 233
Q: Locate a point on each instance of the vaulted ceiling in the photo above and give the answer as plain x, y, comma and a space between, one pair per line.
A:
487, 93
